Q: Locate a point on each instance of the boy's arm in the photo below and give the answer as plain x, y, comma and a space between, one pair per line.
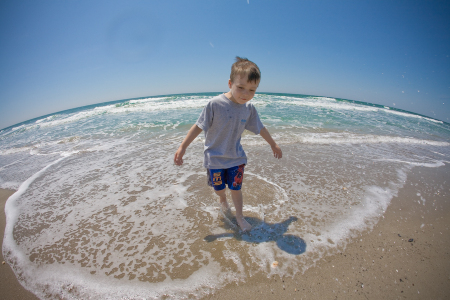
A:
275, 148
191, 135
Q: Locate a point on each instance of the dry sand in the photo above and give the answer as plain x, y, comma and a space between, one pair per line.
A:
405, 256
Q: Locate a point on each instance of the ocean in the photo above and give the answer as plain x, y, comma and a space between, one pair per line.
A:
101, 211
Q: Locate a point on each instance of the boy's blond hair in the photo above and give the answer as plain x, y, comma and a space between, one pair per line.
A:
244, 67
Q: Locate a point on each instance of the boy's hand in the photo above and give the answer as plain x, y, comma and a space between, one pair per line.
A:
277, 153
178, 159
191, 135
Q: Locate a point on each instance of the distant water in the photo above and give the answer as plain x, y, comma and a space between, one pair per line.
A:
102, 212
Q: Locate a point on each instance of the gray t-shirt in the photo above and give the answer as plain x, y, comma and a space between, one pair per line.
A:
223, 122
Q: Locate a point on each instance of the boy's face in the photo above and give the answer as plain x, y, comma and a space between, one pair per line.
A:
241, 90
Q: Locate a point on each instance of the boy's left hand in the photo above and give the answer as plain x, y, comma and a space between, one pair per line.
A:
277, 153
178, 158
275, 148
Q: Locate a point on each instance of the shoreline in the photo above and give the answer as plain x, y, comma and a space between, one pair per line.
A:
381, 263
9, 285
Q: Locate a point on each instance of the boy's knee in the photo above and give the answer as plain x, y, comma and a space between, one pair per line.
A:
236, 192
220, 192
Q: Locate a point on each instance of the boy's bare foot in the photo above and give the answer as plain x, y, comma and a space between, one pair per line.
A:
245, 226
225, 209
224, 206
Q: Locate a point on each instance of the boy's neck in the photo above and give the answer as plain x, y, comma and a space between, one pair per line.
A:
230, 97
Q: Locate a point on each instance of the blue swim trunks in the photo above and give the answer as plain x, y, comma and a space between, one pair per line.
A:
217, 178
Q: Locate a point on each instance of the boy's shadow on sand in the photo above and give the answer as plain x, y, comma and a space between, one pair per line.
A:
263, 232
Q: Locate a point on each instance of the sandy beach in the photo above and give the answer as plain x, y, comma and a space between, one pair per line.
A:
405, 256
9, 286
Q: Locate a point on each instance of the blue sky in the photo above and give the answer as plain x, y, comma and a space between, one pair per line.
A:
57, 55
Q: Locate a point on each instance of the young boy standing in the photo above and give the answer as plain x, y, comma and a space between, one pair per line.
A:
224, 119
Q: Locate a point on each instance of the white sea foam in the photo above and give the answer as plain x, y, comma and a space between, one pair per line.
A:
49, 118
333, 104
362, 216
68, 282
349, 138
329, 104
148, 100
12, 213
143, 105
15, 150
410, 115
35, 148
433, 164
332, 138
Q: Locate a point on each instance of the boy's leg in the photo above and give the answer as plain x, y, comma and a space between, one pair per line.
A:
235, 177
223, 200
216, 180
236, 195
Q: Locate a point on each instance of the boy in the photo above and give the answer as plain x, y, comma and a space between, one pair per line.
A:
224, 119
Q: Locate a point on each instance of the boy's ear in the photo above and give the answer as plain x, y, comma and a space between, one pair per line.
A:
229, 83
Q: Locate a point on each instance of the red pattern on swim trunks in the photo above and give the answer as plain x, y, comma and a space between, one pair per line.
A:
239, 176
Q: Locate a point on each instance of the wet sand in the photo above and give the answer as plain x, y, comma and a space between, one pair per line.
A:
405, 256
10, 288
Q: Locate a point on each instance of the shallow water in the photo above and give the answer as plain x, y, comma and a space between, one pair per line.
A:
101, 210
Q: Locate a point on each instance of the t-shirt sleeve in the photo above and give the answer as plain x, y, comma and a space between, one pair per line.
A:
205, 119
254, 124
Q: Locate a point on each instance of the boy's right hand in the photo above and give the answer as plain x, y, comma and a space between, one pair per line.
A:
178, 159
277, 153
191, 135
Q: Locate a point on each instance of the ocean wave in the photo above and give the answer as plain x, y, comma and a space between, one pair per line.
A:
333, 104
411, 115
329, 104
147, 100
142, 105
33, 149
332, 138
